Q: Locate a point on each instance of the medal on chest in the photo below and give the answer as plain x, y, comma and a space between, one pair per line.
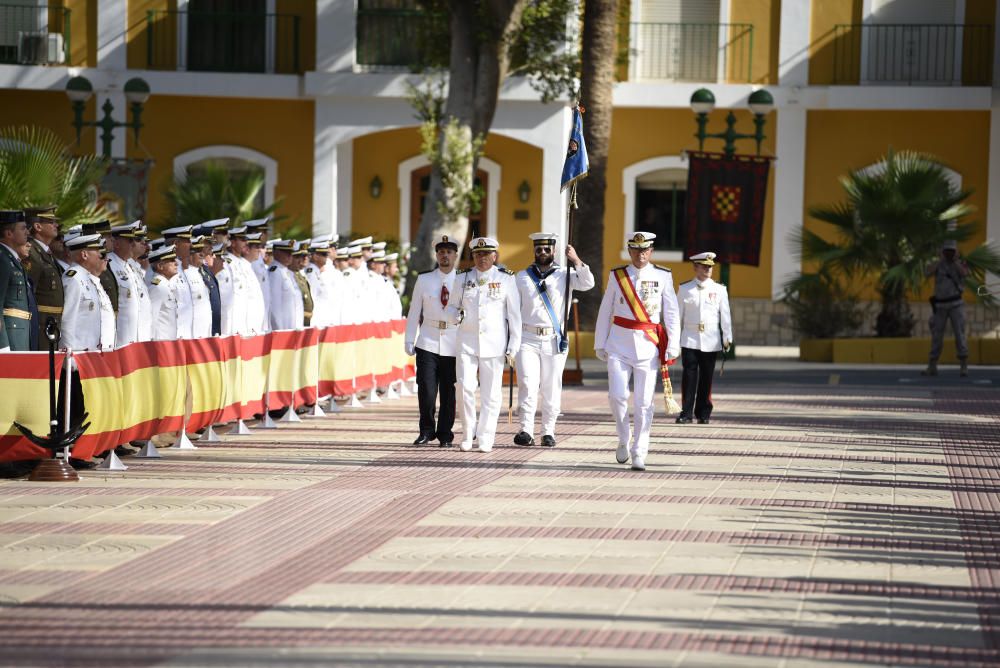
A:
494, 290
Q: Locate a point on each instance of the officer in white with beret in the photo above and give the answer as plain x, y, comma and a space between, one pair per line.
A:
706, 328
433, 337
637, 332
287, 310
163, 292
544, 345
88, 320
487, 309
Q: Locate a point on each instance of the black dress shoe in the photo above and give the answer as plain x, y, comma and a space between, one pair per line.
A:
549, 441
81, 464
683, 420
444, 444
122, 451
523, 438
702, 420
422, 439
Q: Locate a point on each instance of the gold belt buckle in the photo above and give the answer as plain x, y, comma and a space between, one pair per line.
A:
442, 324
541, 331
701, 327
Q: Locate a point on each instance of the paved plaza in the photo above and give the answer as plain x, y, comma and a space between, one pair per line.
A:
827, 516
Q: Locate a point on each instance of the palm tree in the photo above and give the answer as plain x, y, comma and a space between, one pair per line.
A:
36, 169
213, 191
892, 225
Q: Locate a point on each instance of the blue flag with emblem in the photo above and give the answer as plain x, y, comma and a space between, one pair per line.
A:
576, 165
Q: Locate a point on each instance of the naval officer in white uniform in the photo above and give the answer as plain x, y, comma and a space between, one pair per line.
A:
544, 346
706, 328
639, 307
433, 337
487, 310
88, 320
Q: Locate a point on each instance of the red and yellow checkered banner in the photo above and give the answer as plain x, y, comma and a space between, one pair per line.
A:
150, 388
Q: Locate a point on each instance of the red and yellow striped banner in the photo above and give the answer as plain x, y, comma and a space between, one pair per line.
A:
25, 381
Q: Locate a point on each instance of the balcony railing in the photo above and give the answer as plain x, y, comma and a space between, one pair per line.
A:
223, 42
35, 35
913, 54
691, 51
392, 38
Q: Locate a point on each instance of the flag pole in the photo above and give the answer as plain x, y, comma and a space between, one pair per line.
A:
569, 242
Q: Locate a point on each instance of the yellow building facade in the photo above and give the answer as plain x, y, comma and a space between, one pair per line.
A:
314, 95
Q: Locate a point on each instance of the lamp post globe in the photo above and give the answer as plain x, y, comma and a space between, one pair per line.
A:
78, 89
136, 90
702, 101
761, 102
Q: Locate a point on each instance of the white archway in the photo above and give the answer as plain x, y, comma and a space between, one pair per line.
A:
629, 177
269, 164
406, 169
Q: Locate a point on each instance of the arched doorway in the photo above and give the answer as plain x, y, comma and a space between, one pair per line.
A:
420, 180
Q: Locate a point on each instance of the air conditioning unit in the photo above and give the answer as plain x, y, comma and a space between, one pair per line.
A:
40, 48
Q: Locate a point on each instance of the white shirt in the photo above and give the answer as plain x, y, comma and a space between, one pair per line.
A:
131, 290
256, 303
655, 288
163, 301
287, 309
491, 325
334, 285
233, 297
704, 312
535, 316
201, 324
185, 304
428, 324
322, 308
88, 320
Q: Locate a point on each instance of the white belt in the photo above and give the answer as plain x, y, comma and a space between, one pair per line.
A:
537, 331
440, 324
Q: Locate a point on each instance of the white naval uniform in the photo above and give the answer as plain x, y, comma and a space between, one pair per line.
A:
333, 283
322, 309
257, 318
631, 352
539, 362
185, 304
163, 299
287, 309
260, 271
708, 307
232, 297
201, 326
490, 329
428, 324
88, 320
145, 307
131, 290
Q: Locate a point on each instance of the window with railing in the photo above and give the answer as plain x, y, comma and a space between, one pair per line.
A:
224, 41
394, 34
913, 54
691, 51
33, 34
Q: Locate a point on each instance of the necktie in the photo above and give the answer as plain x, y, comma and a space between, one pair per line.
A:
444, 295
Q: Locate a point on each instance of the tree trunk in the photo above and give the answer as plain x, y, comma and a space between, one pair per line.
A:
476, 68
599, 45
895, 319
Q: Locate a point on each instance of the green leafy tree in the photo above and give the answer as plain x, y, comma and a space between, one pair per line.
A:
37, 169
482, 43
214, 191
891, 226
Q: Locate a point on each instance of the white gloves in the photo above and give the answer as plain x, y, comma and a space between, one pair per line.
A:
410, 350
602, 354
510, 359
727, 345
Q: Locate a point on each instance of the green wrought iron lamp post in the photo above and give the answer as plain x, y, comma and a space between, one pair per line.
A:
702, 104
79, 90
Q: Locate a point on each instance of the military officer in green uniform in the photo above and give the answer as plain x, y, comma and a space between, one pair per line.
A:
42, 267
16, 316
299, 258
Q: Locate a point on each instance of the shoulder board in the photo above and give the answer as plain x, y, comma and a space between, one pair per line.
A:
661, 268
624, 266
227, 259
507, 271
71, 273
273, 268
309, 270
156, 281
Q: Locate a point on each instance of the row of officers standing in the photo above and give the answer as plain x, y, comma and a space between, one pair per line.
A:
108, 286
464, 326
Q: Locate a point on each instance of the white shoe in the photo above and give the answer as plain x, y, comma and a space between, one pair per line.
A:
638, 463
465, 446
485, 448
621, 454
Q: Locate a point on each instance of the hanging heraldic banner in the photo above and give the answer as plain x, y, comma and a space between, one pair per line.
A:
725, 206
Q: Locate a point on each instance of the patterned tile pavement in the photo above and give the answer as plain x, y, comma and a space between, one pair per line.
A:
808, 525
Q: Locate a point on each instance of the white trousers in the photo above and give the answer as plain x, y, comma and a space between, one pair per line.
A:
490, 370
645, 373
539, 373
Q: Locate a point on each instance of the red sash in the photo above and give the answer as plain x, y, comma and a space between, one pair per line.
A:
654, 331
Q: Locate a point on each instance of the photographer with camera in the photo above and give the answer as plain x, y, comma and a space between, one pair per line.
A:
949, 273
